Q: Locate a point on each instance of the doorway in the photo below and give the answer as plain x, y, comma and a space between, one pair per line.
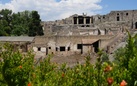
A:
96, 46
80, 46
136, 25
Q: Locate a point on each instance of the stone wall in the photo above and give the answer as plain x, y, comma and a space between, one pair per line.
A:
67, 45
65, 35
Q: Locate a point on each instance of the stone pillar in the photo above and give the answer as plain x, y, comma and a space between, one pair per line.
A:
91, 20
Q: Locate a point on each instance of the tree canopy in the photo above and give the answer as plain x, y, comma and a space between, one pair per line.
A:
21, 23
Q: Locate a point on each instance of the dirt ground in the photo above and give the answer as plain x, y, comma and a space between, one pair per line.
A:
70, 60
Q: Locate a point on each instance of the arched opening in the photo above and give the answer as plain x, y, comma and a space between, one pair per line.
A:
136, 25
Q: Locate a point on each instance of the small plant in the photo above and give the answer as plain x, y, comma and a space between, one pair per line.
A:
17, 69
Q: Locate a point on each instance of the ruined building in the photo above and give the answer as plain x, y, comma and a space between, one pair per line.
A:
79, 34
82, 33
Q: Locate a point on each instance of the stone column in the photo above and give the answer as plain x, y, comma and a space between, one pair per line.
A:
91, 20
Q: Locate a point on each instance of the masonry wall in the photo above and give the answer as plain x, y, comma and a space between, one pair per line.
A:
66, 45
66, 34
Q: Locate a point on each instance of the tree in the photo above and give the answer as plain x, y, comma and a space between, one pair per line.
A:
35, 27
21, 23
5, 22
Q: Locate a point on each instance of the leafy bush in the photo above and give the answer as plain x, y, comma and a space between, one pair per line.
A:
17, 69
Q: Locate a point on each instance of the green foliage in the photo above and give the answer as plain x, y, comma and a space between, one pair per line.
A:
5, 22
133, 68
18, 69
120, 56
34, 26
21, 23
127, 57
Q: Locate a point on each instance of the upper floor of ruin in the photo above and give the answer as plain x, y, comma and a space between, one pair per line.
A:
125, 15
115, 20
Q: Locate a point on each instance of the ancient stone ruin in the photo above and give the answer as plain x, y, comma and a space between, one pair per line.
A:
81, 34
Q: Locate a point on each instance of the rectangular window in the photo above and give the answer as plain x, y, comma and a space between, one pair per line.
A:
79, 46
103, 17
87, 20
68, 48
118, 19
81, 20
62, 48
56, 48
75, 20
49, 47
39, 48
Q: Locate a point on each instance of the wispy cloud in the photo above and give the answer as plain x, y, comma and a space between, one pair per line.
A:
53, 9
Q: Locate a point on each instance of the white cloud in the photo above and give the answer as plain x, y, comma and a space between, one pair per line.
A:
53, 9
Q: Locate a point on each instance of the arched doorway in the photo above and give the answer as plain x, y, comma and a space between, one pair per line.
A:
136, 25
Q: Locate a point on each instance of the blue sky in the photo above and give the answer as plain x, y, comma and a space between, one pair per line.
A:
5, 1
109, 5
58, 9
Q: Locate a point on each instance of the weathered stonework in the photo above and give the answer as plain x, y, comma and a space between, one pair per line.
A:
83, 34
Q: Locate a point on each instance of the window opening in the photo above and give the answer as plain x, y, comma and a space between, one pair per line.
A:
136, 25
117, 13
62, 48
82, 26
68, 48
56, 48
75, 20
79, 46
118, 19
87, 20
81, 20
96, 46
103, 17
39, 48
